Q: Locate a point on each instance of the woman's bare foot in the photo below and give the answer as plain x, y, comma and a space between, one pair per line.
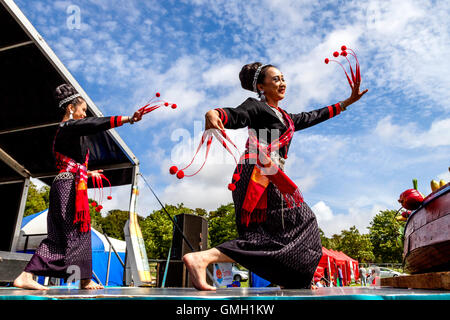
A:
196, 264
90, 285
25, 281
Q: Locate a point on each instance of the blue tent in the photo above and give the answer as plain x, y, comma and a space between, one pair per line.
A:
34, 230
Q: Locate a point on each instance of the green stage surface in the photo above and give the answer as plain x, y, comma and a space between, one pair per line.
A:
237, 294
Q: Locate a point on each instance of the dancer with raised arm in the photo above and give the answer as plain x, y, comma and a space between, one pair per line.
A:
68, 244
278, 233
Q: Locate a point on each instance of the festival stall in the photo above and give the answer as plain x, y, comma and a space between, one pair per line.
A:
330, 262
353, 267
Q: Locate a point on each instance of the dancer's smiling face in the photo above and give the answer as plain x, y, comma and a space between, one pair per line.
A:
79, 110
274, 86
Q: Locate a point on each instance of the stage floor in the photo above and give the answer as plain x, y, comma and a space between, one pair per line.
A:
143, 293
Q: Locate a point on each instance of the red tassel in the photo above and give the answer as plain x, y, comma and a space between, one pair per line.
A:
82, 214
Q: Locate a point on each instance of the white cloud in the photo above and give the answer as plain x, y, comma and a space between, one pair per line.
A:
332, 223
410, 136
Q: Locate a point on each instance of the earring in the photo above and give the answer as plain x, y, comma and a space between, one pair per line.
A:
71, 114
262, 96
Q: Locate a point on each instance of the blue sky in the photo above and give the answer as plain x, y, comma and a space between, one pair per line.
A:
348, 168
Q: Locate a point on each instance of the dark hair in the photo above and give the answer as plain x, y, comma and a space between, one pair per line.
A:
247, 75
64, 91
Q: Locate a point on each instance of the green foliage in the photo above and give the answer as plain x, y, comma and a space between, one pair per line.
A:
385, 232
356, 245
37, 199
222, 225
157, 229
114, 222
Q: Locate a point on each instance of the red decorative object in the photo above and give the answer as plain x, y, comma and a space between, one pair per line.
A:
173, 170
207, 138
236, 177
411, 199
97, 182
180, 174
231, 187
153, 104
355, 75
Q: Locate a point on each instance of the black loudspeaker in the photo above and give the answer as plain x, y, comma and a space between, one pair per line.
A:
195, 229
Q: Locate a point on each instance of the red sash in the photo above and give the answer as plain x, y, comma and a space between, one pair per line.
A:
254, 208
66, 164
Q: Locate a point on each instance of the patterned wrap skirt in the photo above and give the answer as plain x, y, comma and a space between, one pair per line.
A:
285, 249
66, 250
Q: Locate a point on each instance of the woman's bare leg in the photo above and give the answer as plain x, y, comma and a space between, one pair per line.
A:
197, 262
25, 281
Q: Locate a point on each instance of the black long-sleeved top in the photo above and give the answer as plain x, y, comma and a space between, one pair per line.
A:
71, 137
259, 116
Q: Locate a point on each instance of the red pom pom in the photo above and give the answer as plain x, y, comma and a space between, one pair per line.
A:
173, 170
109, 197
327, 60
94, 204
344, 53
158, 95
236, 177
231, 187
166, 104
99, 208
174, 106
336, 54
343, 48
180, 174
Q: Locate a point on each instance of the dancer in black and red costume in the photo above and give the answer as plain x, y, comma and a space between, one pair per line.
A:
278, 233
68, 224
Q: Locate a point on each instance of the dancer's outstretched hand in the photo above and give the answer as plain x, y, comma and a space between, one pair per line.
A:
356, 94
212, 120
137, 116
95, 173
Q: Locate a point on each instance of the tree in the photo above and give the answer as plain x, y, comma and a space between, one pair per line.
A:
157, 230
325, 241
37, 199
384, 235
356, 245
222, 225
114, 222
